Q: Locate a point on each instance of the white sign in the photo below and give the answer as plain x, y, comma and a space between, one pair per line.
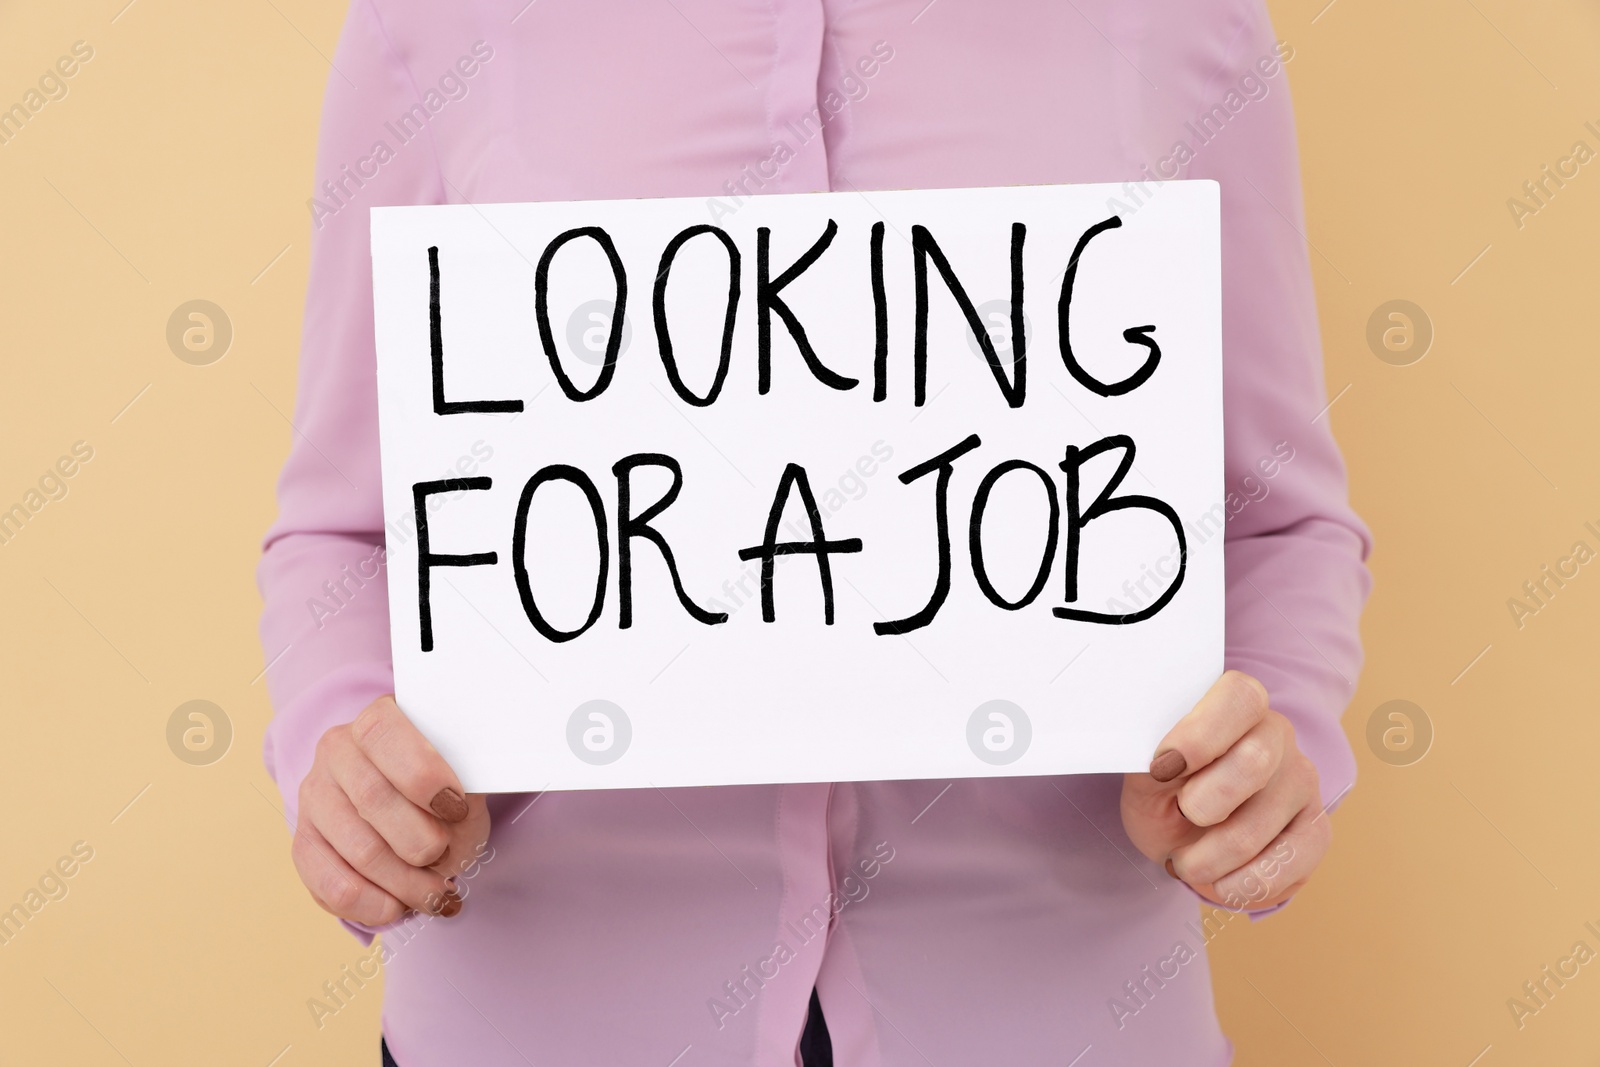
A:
831, 487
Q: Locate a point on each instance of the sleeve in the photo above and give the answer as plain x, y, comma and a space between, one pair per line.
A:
1295, 552
324, 623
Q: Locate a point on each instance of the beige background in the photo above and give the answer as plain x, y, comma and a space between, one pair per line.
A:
177, 167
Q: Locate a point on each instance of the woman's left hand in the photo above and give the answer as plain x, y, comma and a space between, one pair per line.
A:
1231, 805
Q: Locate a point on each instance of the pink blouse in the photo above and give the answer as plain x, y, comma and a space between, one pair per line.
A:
967, 922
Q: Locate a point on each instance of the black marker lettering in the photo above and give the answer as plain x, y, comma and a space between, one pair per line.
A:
427, 560
1104, 504
1139, 335
880, 314
541, 308
630, 526
975, 543
924, 248
768, 301
770, 548
559, 472
664, 336
944, 463
441, 406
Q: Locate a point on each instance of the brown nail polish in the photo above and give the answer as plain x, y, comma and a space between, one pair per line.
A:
451, 906
449, 805
1170, 869
1168, 765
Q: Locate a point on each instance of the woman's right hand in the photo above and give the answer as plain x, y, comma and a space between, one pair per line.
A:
384, 821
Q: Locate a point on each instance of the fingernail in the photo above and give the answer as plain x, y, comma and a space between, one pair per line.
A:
1166, 766
452, 806
451, 906
1170, 871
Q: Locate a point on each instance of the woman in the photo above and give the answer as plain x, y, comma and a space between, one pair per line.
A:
1019, 919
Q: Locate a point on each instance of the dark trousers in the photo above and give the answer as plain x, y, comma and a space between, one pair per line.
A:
816, 1047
